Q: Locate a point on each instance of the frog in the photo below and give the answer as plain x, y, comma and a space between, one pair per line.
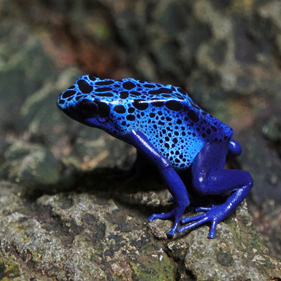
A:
164, 124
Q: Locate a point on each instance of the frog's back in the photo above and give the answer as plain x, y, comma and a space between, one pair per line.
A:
175, 125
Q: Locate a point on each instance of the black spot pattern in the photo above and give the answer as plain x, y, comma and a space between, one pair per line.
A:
119, 109
193, 116
174, 105
68, 94
165, 114
140, 104
84, 87
128, 85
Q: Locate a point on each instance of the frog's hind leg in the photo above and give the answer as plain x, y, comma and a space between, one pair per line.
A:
209, 178
234, 148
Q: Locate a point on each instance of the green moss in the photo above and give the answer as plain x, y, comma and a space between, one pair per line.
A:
8, 271
156, 268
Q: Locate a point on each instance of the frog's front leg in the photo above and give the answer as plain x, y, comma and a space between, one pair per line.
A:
209, 178
169, 175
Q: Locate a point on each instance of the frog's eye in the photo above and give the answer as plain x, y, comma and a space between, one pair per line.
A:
87, 109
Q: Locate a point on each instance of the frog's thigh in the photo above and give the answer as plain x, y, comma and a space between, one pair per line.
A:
208, 174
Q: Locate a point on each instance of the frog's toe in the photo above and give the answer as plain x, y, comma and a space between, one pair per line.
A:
175, 215
190, 219
160, 216
203, 209
171, 233
198, 221
213, 215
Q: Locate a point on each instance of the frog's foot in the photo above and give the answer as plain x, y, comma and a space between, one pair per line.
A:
214, 214
175, 215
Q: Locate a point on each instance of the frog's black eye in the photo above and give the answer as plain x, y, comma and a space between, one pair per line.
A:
87, 109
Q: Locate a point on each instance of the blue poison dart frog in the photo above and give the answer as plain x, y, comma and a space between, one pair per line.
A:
177, 136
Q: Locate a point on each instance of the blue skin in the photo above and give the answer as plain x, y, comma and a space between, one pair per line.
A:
163, 123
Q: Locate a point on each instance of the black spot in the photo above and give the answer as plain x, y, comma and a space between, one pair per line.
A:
84, 87
166, 95
182, 91
119, 109
161, 123
159, 91
173, 105
168, 118
167, 139
208, 131
149, 86
61, 101
104, 109
203, 135
193, 116
105, 89
71, 87
167, 145
157, 103
77, 98
104, 83
123, 123
155, 126
93, 78
105, 95
128, 85
68, 94
179, 121
140, 104
131, 110
124, 95
152, 115
214, 128
175, 140
130, 117
135, 93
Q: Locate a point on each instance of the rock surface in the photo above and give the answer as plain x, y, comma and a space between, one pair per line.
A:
64, 215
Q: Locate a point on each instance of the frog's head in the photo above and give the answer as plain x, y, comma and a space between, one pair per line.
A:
89, 101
